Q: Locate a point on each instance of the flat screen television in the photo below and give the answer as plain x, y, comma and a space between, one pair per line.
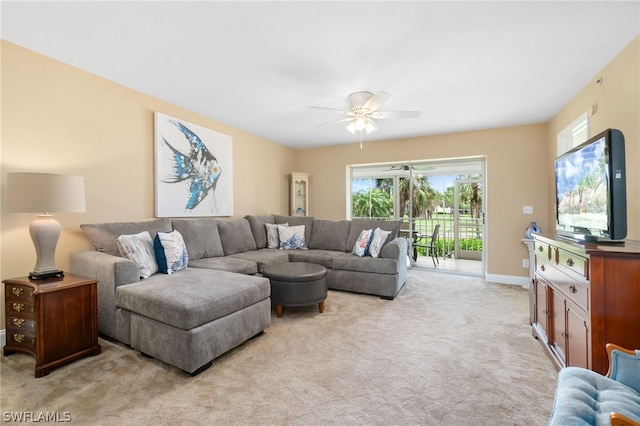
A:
591, 194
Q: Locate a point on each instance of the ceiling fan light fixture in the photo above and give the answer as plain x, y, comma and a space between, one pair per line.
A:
370, 126
351, 127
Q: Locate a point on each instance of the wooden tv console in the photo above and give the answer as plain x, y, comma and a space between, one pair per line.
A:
585, 296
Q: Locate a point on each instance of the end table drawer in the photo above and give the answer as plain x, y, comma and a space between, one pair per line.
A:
15, 323
20, 308
20, 292
21, 338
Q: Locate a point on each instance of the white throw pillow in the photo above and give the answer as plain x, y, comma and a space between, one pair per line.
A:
171, 252
377, 242
139, 248
291, 237
361, 247
273, 240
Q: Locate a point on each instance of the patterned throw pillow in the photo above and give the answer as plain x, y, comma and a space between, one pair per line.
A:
139, 248
273, 240
171, 252
361, 247
292, 237
377, 242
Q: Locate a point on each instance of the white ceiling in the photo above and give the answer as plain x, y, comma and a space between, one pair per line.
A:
259, 66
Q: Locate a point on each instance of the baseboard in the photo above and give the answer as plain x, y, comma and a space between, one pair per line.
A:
508, 279
3, 338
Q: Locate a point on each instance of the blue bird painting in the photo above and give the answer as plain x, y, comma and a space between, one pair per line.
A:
199, 167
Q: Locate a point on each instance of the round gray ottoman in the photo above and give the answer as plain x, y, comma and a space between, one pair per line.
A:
297, 284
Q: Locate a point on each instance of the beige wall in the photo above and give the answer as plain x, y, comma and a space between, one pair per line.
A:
516, 160
618, 106
59, 119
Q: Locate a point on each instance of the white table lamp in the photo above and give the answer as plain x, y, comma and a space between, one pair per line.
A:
45, 193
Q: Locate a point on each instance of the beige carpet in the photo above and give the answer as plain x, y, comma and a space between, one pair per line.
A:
449, 350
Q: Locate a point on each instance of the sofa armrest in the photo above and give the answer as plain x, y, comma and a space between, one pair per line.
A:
106, 268
396, 249
110, 272
618, 419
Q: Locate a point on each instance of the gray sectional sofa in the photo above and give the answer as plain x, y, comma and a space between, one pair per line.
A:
192, 316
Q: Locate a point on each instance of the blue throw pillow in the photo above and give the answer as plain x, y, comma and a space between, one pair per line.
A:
171, 252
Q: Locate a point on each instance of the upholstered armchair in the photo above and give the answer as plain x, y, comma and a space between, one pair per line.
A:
584, 397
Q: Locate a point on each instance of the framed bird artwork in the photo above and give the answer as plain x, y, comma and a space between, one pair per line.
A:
193, 169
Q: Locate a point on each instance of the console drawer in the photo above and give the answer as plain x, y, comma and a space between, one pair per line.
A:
573, 263
542, 249
573, 289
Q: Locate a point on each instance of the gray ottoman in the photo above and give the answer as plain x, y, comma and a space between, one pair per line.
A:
297, 284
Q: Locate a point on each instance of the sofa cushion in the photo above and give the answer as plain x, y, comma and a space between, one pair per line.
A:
139, 248
201, 237
257, 224
103, 235
625, 368
236, 236
584, 397
171, 252
330, 235
349, 262
307, 221
359, 225
226, 263
263, 257
320, 257
170, 298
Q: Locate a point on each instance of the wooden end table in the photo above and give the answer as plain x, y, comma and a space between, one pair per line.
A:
55, 320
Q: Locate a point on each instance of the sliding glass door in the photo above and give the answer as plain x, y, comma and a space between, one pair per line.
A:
446, 194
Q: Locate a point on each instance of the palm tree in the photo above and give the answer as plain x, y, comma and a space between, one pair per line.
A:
421, 195
372, 203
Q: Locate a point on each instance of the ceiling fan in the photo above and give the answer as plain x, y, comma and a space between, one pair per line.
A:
406, 167
365, 110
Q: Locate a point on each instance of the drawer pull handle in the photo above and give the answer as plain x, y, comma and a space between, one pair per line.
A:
18, 322
570, 262
19, 337
18, 306
573, 288
17, 291
540, 249
564, 334
542, 268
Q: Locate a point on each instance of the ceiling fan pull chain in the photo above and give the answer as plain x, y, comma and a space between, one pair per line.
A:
360, 139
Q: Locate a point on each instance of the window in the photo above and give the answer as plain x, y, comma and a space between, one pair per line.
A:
574, 134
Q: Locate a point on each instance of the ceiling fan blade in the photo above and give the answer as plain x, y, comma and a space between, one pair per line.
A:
376, 101
337, 121
395, 114
332, 109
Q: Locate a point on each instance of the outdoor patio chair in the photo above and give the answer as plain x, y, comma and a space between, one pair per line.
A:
429, 244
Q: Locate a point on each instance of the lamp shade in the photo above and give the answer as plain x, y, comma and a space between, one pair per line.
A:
45, 193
